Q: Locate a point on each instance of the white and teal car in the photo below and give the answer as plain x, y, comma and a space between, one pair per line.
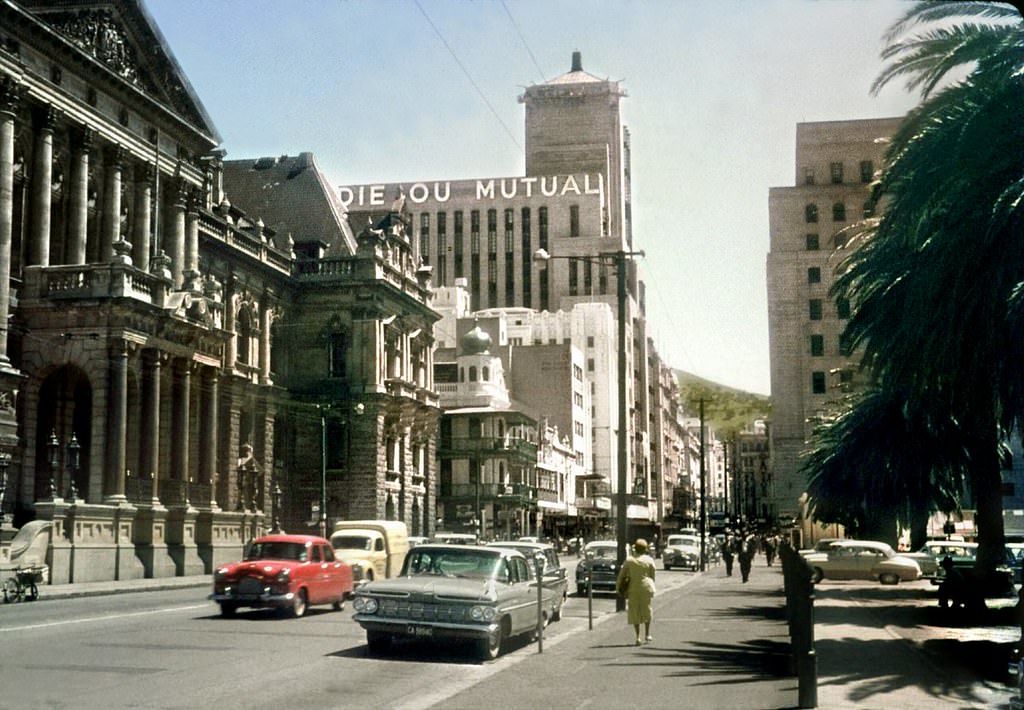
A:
483, 595
681, 551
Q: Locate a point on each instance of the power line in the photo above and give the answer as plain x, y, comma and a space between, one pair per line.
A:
466, 72
523, 39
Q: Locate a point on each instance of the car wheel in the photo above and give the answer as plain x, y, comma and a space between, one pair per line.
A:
228, 609
489, 648
889, 578
667, 565
556, 613
377, 641
817, 575
339, 605
581, 590
298, 607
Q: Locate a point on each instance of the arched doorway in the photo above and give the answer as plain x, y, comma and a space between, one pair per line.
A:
65, 415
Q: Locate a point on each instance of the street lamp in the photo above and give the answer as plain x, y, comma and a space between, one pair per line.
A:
5, 460
620, 257
74, 451
52, 450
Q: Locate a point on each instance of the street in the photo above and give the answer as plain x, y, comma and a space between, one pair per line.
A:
171, 649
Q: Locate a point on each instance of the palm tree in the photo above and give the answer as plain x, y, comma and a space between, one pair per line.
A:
936, 282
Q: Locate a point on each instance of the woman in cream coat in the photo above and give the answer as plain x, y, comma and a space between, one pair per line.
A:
636, 583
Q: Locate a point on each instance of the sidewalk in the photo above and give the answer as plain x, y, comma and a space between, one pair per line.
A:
722, 644
92, 589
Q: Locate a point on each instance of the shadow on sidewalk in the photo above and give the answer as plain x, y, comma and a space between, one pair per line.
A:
745, 662
868, 680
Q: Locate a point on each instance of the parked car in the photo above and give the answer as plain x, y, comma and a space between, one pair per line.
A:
450, 538
932, 552
600, 560
681, 551
862, 559
823, 545
290, 572
415, 540
452, 592
555, 578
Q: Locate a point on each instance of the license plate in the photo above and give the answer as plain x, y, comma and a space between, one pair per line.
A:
420, 631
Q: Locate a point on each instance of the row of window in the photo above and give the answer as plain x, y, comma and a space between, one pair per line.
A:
815, 308
838, 211
817, 342
819, 384
492, 230
835, 169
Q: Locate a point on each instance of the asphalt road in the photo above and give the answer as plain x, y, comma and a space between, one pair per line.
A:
171, 649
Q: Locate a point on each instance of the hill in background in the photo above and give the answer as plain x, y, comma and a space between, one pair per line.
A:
726, 409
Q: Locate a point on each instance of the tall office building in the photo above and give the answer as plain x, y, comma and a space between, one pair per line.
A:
810, 365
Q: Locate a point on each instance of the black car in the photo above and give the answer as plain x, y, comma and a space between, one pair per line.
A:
600, 561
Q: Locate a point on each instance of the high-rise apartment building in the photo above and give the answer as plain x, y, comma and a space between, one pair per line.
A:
811, 367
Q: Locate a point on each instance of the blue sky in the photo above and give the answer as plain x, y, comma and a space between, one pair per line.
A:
407, 90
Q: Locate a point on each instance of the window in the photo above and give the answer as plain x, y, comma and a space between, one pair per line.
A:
818, 382
839, 212
590, 341
590, 364
812, 242
472, 373
843, 308
808, 176
817, 345
814, 308
574, 220
425, 235
867, 171
836, 171
542, 227
845, 348
811, 213
337, 355
814, 275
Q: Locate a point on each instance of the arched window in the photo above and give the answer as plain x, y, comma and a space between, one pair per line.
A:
839, 212
486, 374
462, 374
472, 373
811, 212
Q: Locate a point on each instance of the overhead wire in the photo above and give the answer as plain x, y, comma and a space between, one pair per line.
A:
469, 77
522, 38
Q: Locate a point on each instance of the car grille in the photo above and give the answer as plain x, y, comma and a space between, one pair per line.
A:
422, 611
250, 585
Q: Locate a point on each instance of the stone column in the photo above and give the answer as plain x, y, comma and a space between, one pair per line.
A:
190, 266
141, 219
150, 445
176, 235
111, 222
208, 444
78, 214
267, 318
9, 99
117, 422
42, 179
180, 421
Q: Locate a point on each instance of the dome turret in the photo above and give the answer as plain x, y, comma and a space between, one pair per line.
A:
476, 341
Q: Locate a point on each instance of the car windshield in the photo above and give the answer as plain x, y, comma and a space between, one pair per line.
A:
351, 542
681, 541
277, 551
472, 563
603, 551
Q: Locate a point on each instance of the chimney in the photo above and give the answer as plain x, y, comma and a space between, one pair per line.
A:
577, 61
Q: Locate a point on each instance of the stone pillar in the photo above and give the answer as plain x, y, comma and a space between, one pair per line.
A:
180, 422
208, 444
267, 318
176, 235
190, 266
117, 423
150, 445
9, 99
111, 222
78, 214
42, 179
141, 217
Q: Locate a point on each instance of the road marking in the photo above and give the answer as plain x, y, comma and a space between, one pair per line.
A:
68, 622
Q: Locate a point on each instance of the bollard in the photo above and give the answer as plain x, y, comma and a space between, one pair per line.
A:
806, 659
538, 564
590, 592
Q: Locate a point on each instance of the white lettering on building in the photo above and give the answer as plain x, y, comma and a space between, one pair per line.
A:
570, 184
362, 196
484, 190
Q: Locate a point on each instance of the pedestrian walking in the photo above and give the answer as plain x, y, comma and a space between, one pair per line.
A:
746, 556
636, 583
770, 543
727, 554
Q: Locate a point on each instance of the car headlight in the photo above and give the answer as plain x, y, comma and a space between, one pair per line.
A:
220, 573
365, 605
283, 576
482, 613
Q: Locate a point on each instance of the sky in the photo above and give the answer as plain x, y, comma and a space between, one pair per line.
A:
387, 91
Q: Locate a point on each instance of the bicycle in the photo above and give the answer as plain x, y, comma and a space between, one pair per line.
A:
23, 585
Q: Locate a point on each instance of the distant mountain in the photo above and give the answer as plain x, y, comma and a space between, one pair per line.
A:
727, 409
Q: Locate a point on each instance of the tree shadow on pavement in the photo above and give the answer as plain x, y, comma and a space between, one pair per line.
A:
868, 680
745, 662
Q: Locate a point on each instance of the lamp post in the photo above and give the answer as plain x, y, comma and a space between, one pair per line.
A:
5, 460
74, 451
52, 451
323, 468
622, 478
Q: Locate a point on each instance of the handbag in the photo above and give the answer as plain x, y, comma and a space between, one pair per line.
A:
649, 586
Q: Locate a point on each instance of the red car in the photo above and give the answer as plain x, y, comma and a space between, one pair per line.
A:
288, 572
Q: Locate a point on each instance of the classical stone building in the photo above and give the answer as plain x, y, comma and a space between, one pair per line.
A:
169, 359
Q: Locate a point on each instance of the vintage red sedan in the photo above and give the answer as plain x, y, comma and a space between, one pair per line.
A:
289, 572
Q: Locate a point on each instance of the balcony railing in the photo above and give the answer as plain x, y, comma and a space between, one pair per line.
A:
486, 447
502, 492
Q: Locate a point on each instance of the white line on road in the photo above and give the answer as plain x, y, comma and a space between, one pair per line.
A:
108, 617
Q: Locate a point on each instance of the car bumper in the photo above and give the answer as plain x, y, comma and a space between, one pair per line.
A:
414, 628
264, 599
